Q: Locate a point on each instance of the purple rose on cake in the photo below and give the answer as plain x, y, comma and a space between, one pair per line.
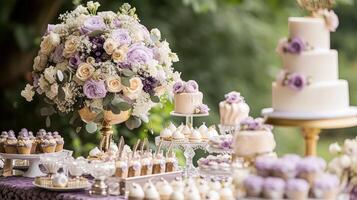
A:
92, 23
202, 109
179, 87
94, 89
139, 54
233, 97
295, 45
296, 81
191, 86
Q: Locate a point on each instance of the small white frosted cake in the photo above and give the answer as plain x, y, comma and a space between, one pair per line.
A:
188, 99
254, 138
233, 109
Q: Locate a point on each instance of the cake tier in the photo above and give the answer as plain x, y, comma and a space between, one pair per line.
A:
186, 103
311, 30
319, 65
233, 114
316, 98
251, 143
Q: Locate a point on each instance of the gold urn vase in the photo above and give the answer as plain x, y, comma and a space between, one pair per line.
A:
109, 119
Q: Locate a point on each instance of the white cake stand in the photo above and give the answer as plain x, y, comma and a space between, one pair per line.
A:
224, 129
189, 152
34, 160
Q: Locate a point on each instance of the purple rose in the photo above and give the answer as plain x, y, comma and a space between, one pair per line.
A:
295, 45
296, 81
74, 61
179, 87
139, 54
92, 23
202, 109
116, 23
57, 56
94, 89
24, 133
121, 36
233, 97
191, 86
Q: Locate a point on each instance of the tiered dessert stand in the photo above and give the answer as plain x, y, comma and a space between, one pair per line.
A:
312, 124
188, 147
34, 162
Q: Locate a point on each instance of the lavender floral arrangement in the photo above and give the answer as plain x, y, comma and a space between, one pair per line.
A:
105, 61
251, 124
294, 81
233, 97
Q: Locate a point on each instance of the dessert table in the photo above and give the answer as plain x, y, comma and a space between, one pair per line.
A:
20, 188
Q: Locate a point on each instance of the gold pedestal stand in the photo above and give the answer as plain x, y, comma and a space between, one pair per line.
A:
311, 128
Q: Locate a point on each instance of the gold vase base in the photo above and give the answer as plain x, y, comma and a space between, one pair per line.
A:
99, 188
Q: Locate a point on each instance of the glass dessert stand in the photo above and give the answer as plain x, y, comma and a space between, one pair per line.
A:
213, 150
189, 152
312, 124
34, 162
227, 129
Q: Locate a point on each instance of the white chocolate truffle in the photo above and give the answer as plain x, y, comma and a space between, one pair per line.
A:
151, 192
192, 194
226, 193
136, 192
60, 180
177, 195
172, 127
212, 195
165, 190
186, 130
203, 128
166, 133
215, 185
177, 135
195, 136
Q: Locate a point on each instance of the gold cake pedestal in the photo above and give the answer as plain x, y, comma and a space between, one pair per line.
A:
311, 128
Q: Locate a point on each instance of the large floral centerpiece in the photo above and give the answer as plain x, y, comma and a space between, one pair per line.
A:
102, 65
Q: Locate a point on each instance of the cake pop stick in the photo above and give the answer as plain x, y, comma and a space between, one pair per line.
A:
136, 147
121, 147
158, 149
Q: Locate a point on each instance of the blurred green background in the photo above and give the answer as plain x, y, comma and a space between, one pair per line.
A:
223, 44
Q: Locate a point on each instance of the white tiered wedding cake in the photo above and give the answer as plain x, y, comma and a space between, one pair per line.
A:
309, 80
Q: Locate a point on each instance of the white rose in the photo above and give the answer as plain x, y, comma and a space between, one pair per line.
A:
109, 46
334, 148
28, 92
92, 6
50, 74
114, 84
40, 61
84, 71
54, 39
70, 46
134, 89
42, 83
52, 92
155, 35
335, 167
46, 46
119, 54
62, 66
350, 147
345, 161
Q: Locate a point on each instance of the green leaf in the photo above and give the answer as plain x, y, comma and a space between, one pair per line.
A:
47, 111
115, 110
125, 81
74, 117
60, 75
107, 100
133, 123
48, 121
123, 106
128, 72
61, 94
91, 127
155, 99
99, 117
78, 129
96, 33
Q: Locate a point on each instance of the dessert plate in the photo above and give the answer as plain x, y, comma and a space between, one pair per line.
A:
270, 112
188, 115
58, 189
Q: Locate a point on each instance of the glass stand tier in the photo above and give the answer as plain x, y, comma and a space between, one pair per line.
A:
189, 152
228, 129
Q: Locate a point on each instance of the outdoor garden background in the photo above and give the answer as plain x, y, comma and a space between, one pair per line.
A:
223, 44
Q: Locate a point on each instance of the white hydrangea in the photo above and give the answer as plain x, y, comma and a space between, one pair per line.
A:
42, 83
28, 92
335, 148
108, 15
52, 92
50, 74
142, 106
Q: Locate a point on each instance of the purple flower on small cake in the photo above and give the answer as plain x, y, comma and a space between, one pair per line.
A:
251, 124
233, 97
190, 86
202, 109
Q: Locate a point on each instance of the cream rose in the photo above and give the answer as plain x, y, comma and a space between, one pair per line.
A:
53, 91
40, 61
109, 46
70, 46
119, 54
54, 39
28, 92
134, 89
84, 71
114, 84
46, 46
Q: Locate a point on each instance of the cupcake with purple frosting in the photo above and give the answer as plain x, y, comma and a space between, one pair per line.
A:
59, 141
253, 185
3, 138
39, 140
297, 189
264, 165
273, 188
11, 143
24, 144
48, 144
326, 187
284, 169
309, 168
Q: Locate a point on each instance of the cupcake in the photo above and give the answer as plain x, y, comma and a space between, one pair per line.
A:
59, 141
165, 190
195, 136
253, 185
151, 193
10, 145
48, 144
34, 143
3, 138
39, 139
186, 131
159, 163
178, 136
284, 169
203, 129
264, 166
273, 188
121, 169
24, 144
326, 187
192, 193
309, 168
297, 189
172, 127
166, 134
136, 192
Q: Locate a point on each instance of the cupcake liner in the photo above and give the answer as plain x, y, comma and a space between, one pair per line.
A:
157, 169
24, 150
132, 172
297, 195
11, 149
38, 146
59, 147
122, 173
2, 148
144, 170
273, 194
33, 147
164, 197
170, 167
48, 149
135, 198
